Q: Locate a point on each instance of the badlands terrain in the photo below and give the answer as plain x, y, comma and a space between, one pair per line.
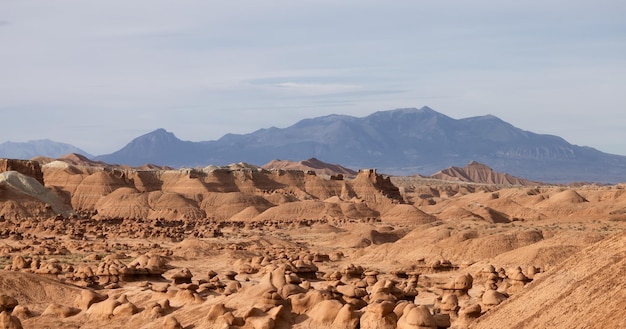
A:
85, 244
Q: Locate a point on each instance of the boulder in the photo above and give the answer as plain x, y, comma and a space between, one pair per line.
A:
492, 298
170, 322
60, 311
346, 318
182, 276
416, 317
87, 298
7, 303
379, 316
325, 312
8, 321
103, 309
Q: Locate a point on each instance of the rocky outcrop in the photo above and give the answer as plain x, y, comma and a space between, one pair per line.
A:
25, 167
313, 165
479, 173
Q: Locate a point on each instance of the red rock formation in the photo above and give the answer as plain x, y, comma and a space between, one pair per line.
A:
26, 167
312, 164
479, 173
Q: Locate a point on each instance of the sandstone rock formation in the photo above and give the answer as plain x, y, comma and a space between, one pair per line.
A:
244, 247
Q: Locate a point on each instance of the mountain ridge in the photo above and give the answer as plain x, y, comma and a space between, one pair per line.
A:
398, 142
39, 147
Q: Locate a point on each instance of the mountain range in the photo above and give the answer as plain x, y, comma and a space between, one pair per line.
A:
34, 148
396, 142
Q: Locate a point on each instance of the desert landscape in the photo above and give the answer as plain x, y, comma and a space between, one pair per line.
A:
85, 244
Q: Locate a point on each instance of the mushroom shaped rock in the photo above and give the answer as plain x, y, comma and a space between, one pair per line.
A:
170, 322
211, 274
8, 321
232, 287
141, 261
371, 277
350, 290
352, 271
442, 320
259, 319
278, 277
87, 298
153, 310
160, 286
156, 265
416, 317
216, 311
325, 312
379, 316
225, 321
518, 275
188, 286
85, 275
306, 269
270, 299
7, 303
60, 311
19, 263
125, 309
463, 282
333, 276
230, 275
469, 312
185, 297
449, 303
302, 303
103, 309
346, 318
492, 298
182, 276
22, 312
291, 289
264, 285
293, 278
384, 291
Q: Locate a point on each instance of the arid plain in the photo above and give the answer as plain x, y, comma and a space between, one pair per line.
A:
306, 245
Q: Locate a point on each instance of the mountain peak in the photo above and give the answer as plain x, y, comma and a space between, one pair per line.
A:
157, 136
158, 146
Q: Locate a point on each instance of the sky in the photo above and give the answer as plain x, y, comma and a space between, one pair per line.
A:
96, 74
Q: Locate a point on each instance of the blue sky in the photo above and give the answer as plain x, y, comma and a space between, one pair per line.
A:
97, 74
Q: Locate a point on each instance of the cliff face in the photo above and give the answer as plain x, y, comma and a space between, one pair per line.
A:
219, 193
24, 167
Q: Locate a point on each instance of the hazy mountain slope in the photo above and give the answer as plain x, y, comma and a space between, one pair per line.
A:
158, 147
34, 148
403, 141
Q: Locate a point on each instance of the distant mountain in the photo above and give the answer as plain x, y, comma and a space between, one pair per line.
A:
159, 147
311, 164
479, 173
399, 142
42, 147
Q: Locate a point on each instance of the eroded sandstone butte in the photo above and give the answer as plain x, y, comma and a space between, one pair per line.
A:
102, 246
